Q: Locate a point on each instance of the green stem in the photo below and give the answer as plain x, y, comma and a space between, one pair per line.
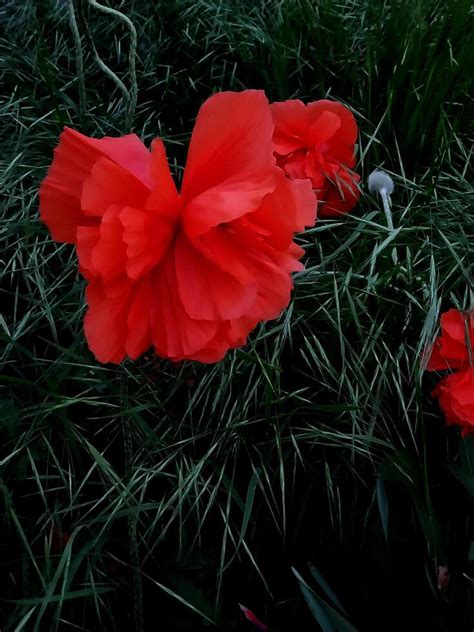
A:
132, 519
79, 58
388, 214
132, 96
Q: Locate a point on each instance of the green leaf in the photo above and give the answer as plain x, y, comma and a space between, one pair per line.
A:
328, 618
325, 586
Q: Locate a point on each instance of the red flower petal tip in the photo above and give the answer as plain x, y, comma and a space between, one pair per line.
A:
250, 616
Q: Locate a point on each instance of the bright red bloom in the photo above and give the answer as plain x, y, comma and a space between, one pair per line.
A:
450, 349
456, 399
189, 273
316, 141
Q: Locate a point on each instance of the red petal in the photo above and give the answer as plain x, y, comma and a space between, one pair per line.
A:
74, 157
288, 209
306, 204
453, 323
127, 151
252, 618
230, 335
436, 361
206, 292
164, 196
227, 201
175, 334
148, 232
139, 337
147, 236
274, 289
232, 137
341, 143
105, 323
108, 255
87, 239
324, 127
450, 350
291, 126
230, 165
110, 184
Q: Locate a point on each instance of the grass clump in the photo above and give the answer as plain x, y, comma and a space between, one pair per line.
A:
157, 492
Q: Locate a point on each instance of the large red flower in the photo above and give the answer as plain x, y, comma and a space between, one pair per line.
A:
450, 349
456, 399
189, 273
316, 141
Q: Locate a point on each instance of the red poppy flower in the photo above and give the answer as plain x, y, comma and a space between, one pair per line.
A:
450, 350
189, 273
316, 141
456, 399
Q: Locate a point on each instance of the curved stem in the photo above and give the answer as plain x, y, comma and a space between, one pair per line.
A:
79, 58
132, 96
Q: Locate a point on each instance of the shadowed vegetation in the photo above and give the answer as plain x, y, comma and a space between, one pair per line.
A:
159, 496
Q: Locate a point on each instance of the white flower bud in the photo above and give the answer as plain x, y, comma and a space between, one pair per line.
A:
379, 181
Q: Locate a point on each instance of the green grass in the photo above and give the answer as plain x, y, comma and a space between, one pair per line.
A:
186, 489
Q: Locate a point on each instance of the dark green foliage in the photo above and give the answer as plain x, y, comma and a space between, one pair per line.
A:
318, 442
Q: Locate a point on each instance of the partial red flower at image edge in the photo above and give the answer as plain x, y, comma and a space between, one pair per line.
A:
455, 393
453, 349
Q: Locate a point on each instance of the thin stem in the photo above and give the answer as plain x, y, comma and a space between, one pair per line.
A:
132, 519
132, 96
386, 208
79, 58
388, 214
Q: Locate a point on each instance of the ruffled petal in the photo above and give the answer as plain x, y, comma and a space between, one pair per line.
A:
274, 290
61, 190
341, 141
232, 137
101, 250
230, 335
164, 198
148, 231
206, 292
289, 209
450, 350
139, 337
230, 165
291, 126
87, 239
324, 127
105, 323
110, 184
175, 334
228, 201
127, 152
108, 256
453, 324
147, 236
